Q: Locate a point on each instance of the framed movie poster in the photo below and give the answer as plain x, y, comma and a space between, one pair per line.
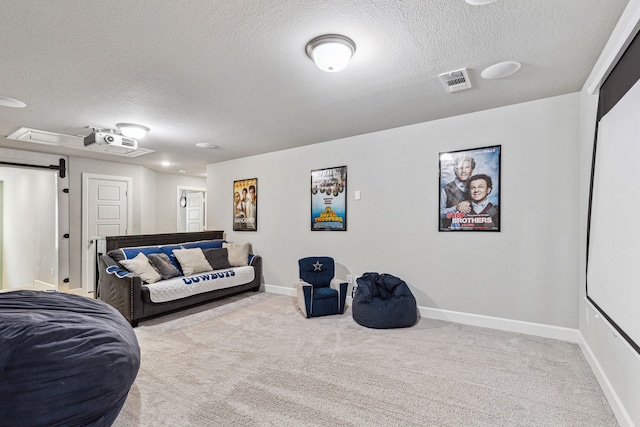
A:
329, 199
245, 205
470, 190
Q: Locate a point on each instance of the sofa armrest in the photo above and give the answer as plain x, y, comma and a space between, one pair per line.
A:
122, 293
256, 263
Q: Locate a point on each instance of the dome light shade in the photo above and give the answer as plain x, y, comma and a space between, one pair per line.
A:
133, 130
500, 70
208, 145
479, 2
331, 52
10, 102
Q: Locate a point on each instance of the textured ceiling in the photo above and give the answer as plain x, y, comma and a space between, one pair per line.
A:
235, 73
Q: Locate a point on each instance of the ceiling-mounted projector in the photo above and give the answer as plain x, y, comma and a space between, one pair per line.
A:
111, 139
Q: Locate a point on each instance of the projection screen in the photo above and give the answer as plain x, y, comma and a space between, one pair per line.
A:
613, 240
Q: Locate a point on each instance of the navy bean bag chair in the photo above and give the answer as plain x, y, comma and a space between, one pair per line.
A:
383, 301
65, 360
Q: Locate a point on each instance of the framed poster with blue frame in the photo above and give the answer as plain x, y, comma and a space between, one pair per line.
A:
329, 199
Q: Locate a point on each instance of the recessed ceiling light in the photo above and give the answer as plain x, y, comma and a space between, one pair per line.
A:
133, 130
165, 163
10, 102
479, 2
182, 171
206, 145
498, 71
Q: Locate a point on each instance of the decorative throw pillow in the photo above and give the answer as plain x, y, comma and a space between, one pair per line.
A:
238, 253
130, 253
192, 261
218, 258
140, 266
163, 265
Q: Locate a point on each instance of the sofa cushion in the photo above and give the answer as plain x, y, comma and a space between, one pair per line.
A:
238, 253
132, 252
163, 265
140, 266
192, 261
218, 258
202, 244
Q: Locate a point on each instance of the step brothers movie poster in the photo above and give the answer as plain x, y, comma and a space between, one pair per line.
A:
245, 205
470, 190
329, 199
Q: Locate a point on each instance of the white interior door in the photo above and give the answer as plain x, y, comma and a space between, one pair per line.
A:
106, 207
195, 211
193, 215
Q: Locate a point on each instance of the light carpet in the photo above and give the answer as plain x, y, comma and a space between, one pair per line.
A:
253, 360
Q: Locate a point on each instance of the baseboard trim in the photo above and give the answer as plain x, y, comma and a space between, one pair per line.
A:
280, 290
547, 331
610, 393
529, 328
40, 285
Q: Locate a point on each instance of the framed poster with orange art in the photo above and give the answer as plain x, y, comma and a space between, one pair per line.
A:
329, 199
245, 205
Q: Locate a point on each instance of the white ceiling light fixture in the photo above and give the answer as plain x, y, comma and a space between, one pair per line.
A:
133, 130
10, 102
208, 145
331, 52
479, 2
500, 70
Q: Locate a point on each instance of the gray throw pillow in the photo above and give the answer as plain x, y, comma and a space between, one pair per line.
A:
218, 258
163, 265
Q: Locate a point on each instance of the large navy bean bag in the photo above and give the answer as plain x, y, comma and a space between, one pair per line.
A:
383, 301
65, 360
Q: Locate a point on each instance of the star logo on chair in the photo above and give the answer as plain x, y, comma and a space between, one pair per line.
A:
317, 266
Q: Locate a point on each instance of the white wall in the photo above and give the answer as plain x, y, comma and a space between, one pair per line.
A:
78, 166
30, 227
526, 272
149, 206
166, 193
153, 204
617, 366
149, 201
616, 363
26, 157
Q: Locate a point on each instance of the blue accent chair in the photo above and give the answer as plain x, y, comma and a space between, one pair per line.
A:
319, 292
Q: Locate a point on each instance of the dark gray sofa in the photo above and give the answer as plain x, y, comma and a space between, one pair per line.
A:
131, 296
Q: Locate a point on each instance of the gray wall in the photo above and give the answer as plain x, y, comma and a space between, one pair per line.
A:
526, 272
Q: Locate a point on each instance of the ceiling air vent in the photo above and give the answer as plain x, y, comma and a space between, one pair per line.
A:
456, 80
